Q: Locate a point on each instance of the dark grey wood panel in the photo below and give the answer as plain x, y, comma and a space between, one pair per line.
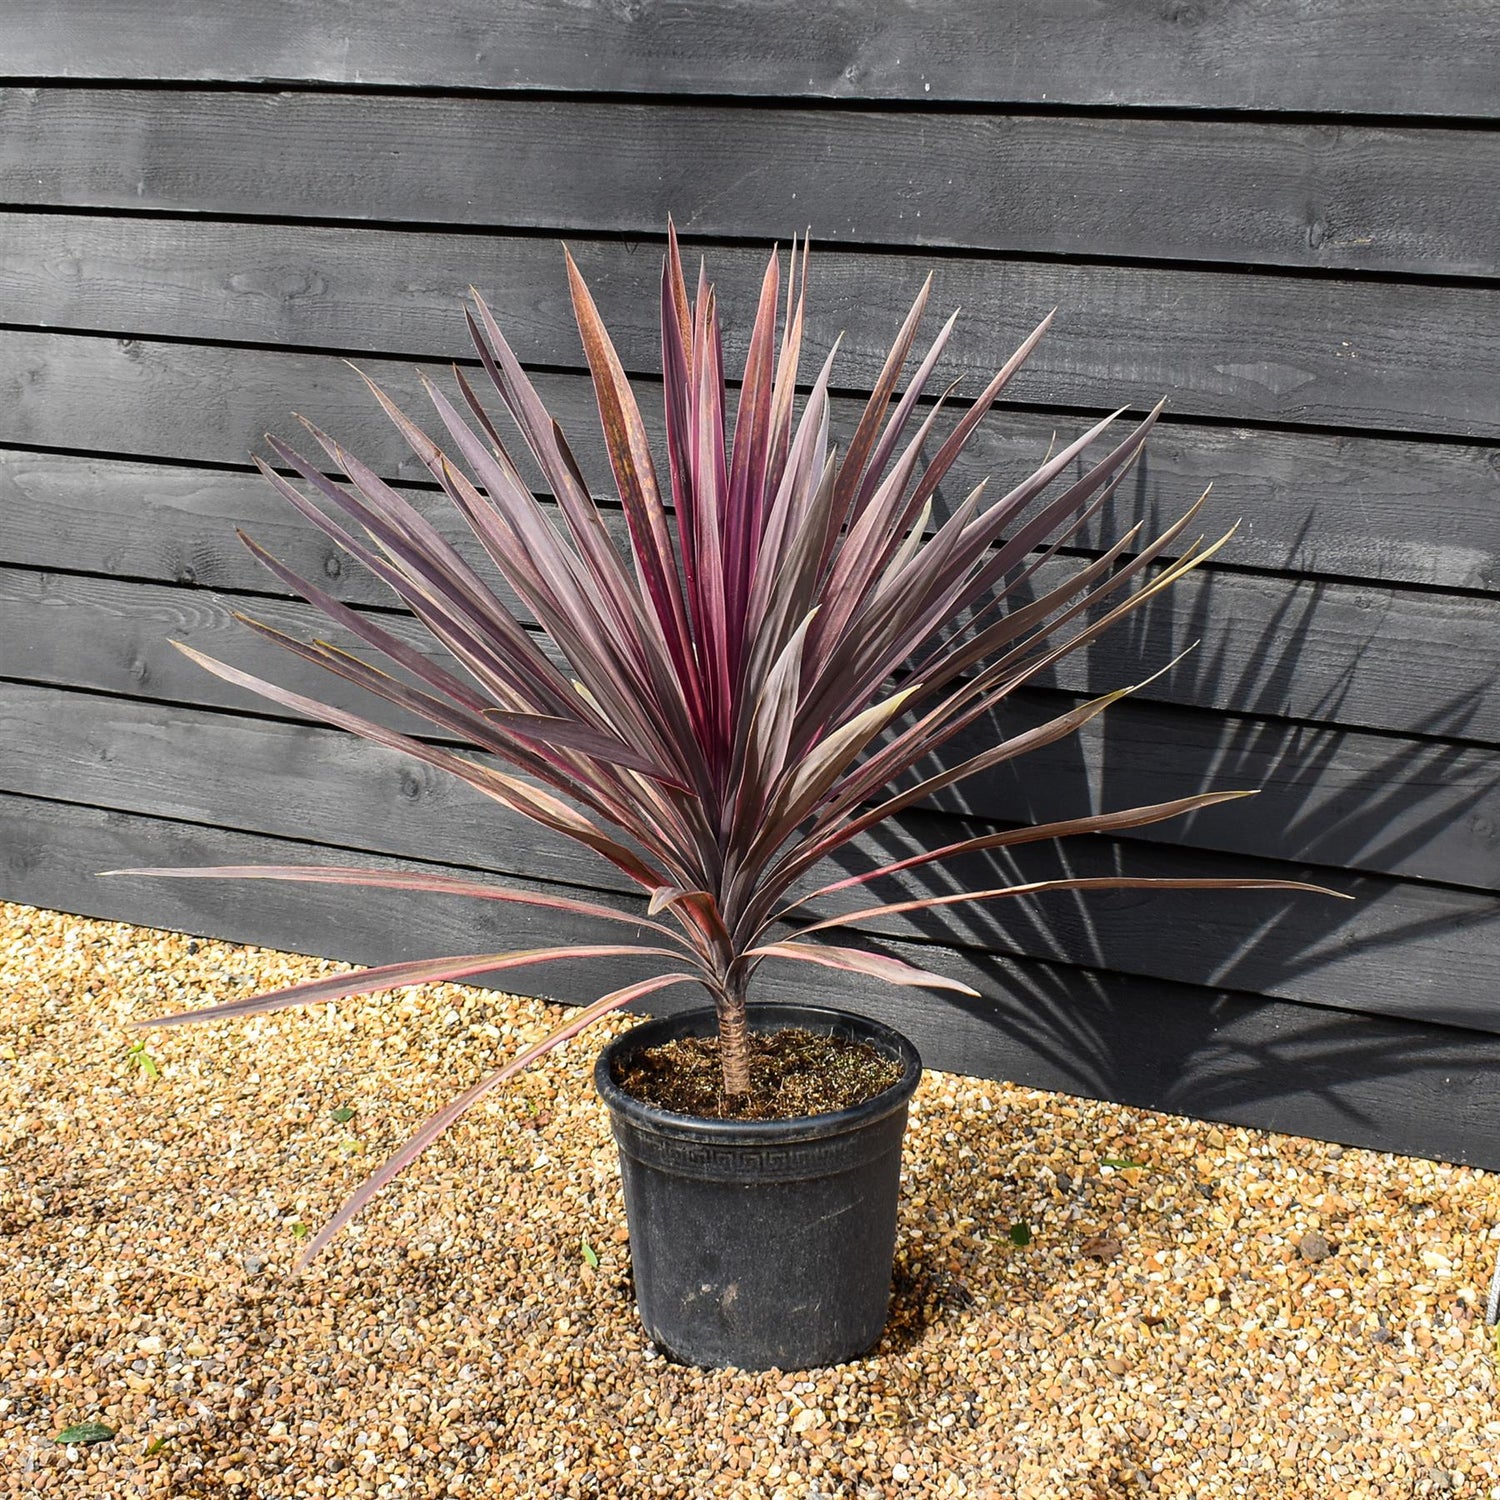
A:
1394, 1085
1376, 802
206, 402
1338, 798
1387, 198
1424, 952
1332, 796
1357, 508
1310, 650
1362, 656
1240, 347
1334, 197
1256, 54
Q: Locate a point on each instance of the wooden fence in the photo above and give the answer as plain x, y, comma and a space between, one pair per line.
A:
1282, 217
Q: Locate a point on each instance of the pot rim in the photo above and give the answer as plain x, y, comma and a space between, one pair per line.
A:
761, 1016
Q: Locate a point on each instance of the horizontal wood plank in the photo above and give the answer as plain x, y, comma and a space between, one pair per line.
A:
1402, 949
1332, 58
1422, 808
1366, 1080
1333, 796
1355, 508
1296, 271
1359, 354
1361, 656
1386, 198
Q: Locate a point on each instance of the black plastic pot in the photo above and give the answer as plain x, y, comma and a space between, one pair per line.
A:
762, 1243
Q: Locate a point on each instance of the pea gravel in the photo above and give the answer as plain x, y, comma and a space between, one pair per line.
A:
1240, 1314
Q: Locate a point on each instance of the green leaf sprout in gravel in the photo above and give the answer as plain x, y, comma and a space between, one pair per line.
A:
1123, 1164
590, 1255
343, 1114
84, 1433
143, 1060
1020, 1234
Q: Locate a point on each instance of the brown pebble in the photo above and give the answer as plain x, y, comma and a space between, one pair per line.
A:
1314, 1246
1101, 1247
455, 1342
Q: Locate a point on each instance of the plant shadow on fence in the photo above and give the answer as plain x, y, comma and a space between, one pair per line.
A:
1177, 999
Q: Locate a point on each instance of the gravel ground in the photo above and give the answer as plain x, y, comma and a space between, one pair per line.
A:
1239, 1314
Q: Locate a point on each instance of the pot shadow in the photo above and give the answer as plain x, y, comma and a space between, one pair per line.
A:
924, 1294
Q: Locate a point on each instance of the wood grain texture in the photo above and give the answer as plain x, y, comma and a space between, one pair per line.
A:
1394, 1085
1330, 796
1358, 655
1245, 348
1318, 297
1333, 796
1224, 54
1398, 948
1403, 949
197, 402
1374, 198
1400, 805
1357, 508
210, 404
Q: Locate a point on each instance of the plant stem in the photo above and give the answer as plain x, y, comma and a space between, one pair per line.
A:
734, 1038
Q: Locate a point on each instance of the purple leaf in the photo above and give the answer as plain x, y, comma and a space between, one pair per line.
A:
856, 961
392, 1168
397, 976
1089, 883
1114, 822
402, 880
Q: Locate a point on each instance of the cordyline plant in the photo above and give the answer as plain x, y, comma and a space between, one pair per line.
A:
781, 643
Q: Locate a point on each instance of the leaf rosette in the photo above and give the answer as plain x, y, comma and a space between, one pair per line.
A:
784, 633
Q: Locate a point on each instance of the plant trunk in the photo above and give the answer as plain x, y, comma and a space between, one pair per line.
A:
734, 1038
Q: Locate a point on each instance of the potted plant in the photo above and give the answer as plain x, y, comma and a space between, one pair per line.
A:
785, 635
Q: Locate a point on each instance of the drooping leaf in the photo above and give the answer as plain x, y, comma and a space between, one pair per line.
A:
397, 976
1087, 883
514, 794
728, 697
1115, 822
401, 880
445, 1117
856, 961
